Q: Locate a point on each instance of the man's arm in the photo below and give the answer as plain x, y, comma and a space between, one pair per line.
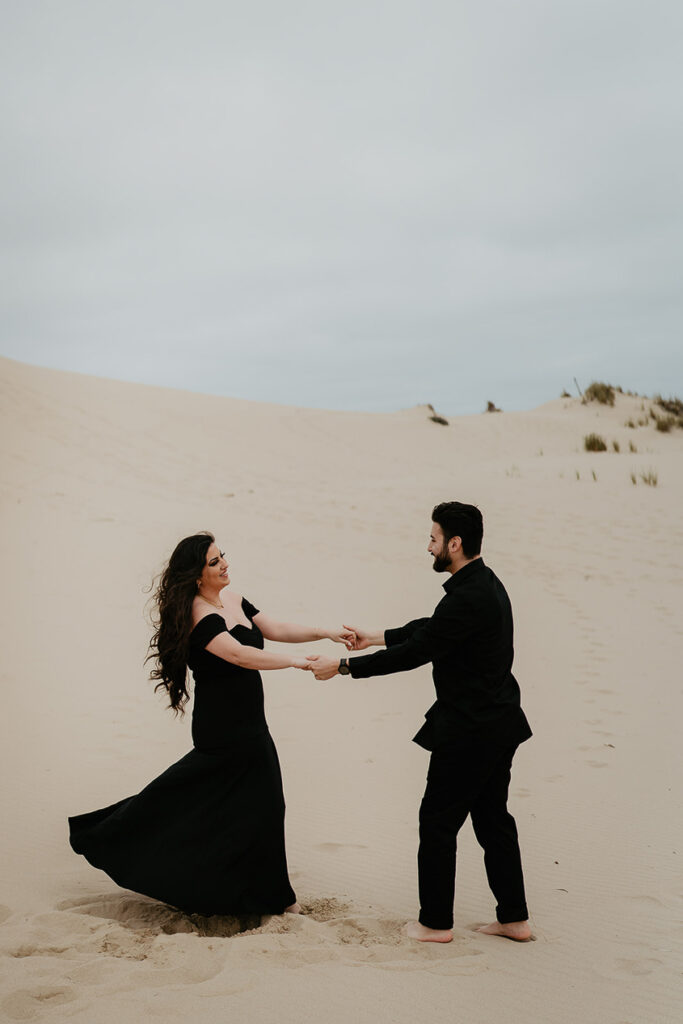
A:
427, 640
403, 633
383, 637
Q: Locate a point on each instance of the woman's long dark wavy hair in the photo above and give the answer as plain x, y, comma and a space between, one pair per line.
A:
172, 617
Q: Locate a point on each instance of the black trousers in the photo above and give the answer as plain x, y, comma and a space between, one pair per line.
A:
462, 781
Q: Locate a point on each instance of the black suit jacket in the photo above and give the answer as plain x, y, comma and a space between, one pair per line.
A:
469, 640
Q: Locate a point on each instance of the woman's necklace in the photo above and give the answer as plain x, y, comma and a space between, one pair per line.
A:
216, 604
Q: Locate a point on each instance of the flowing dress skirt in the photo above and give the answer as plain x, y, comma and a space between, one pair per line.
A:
206, 837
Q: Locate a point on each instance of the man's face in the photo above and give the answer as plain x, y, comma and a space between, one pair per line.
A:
438, 549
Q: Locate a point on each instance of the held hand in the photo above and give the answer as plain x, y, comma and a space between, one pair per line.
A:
303, 663
362, 638
323, 668
345, 636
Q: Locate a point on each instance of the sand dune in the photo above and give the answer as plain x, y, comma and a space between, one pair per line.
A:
325, 517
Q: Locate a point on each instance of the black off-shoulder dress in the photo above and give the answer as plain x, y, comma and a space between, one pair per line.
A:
207, 836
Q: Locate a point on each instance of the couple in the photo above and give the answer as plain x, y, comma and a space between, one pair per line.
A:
207, 836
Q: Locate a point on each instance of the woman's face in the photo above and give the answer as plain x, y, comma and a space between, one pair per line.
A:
215, 571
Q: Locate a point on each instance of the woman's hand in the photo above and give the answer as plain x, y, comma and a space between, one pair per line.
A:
303, 663
346, 635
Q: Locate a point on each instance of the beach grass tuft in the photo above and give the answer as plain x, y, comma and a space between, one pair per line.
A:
664, 423
594, 443
673, 406
600, 392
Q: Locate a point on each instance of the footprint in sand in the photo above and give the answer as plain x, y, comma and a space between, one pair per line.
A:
333, 847
26, 1003
30, 949
364, 929
142, 915
651, 900
382, 944
639, 967
325, 908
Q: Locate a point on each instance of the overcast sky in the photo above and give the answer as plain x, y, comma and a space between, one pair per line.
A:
343, 204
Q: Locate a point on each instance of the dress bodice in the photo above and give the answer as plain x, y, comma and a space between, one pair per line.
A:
228, 700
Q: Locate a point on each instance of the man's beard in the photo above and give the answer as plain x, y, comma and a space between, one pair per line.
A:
442, 561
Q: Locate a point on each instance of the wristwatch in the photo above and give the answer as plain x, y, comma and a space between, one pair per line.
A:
344, 668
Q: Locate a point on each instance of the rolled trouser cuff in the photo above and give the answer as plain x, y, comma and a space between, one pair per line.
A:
506, 915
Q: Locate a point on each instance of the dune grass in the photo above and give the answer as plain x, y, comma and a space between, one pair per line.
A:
600, 392
594, 443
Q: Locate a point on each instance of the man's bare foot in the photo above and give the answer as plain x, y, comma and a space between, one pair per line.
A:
518, 931
295, 908
415, 930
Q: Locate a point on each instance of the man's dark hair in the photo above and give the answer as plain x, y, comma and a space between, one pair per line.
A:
459, 520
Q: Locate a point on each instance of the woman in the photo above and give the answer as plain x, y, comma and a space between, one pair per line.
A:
207, 836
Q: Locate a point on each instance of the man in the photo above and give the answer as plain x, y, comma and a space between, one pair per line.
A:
472, 731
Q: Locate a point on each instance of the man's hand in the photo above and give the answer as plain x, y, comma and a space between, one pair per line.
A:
365, 638
303, 663
323, 668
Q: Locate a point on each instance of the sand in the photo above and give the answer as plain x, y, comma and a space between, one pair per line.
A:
325, 517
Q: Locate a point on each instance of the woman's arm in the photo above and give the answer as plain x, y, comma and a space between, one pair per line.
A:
291, 633
226, 647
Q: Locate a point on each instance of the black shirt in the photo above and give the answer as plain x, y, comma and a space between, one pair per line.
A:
469, 640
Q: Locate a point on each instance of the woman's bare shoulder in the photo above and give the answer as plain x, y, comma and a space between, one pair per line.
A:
201, 611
